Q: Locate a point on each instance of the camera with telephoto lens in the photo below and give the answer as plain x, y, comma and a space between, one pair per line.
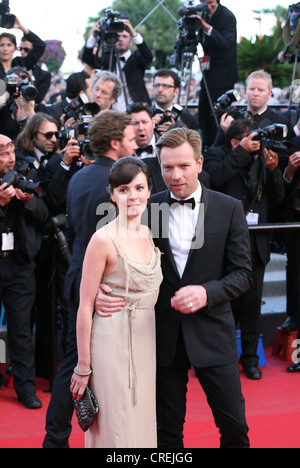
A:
7, 20
17, 178
224, 104
15, 87
273, 137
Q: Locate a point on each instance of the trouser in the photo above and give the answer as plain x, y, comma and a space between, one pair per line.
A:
222, 387
247, 313
293, 273
61, 408
17, 293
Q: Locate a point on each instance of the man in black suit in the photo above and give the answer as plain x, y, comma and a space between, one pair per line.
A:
87, 191
206, 263
133, 65
218, 39
243, 170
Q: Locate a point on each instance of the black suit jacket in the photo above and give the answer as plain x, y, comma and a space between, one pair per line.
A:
221, 46
87, 190
223, 266
229, 174
158, 181
134, 69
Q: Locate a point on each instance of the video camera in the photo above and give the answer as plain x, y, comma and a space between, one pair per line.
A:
15, 87
224, 104
186, 47
7, 20
111, 27
17, 178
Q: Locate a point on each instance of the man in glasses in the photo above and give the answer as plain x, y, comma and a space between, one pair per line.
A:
166, 86
41, 78
106, 89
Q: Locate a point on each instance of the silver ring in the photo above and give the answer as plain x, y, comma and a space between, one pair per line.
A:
191, 305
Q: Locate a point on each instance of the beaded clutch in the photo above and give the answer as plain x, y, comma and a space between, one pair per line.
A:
86, 409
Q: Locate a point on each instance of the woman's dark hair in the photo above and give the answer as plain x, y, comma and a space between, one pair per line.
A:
125, 170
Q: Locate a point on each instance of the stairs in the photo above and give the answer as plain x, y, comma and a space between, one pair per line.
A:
274, 298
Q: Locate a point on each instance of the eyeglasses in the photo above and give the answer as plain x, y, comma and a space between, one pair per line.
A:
163, 86
49, 135
24, 49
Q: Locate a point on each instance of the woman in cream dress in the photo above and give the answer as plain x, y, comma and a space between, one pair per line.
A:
120, 350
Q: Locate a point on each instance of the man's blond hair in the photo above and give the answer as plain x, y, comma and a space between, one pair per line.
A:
177, 137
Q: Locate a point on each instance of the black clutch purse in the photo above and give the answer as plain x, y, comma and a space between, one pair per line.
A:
86, 409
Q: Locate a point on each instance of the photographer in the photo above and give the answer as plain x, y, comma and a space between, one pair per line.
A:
41, 78
54, 172
133, 65
20, 104
21, 216
166, 85
8, 47
77, 83
218, 36
106, 89
241, 169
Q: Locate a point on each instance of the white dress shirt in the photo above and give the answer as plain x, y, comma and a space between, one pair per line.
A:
182, 226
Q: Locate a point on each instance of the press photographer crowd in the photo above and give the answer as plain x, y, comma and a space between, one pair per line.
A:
59, 141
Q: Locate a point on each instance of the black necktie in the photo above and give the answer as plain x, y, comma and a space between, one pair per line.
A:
191, 203
148, 149
122, 59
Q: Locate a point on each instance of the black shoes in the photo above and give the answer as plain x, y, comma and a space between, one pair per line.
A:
253, 373
294, 367
30, 401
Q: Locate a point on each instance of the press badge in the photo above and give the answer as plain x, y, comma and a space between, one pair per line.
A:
252, 219
205, 62
8, 242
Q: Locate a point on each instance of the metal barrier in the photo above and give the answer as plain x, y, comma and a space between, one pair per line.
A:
274, 227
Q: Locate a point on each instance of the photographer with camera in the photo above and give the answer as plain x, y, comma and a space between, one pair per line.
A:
166, 85
22, 214
245, 169
114, 37
8, 46
218, 37
20, 104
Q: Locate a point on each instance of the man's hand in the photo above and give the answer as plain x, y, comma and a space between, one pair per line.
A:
250, 145
6, 194
271, 159
293, 165
106, 305
189, 299
72, 151
23, 196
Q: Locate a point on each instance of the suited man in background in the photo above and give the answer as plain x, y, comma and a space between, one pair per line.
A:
206, 263
111, 138
133, 65
218, 39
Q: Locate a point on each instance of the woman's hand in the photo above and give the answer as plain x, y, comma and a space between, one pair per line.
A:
78, 386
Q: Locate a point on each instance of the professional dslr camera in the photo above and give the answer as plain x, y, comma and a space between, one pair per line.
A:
168, 115
17, 178
273, 137
79, 106
7, 20
224, 104
15, 87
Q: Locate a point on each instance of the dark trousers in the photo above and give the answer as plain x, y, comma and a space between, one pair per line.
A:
247, 313
17, 293
293, 272
61, 408
222, 387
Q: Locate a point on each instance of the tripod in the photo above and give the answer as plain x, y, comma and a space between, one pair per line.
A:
109, 47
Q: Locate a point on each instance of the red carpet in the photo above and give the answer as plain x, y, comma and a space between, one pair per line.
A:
272, 404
